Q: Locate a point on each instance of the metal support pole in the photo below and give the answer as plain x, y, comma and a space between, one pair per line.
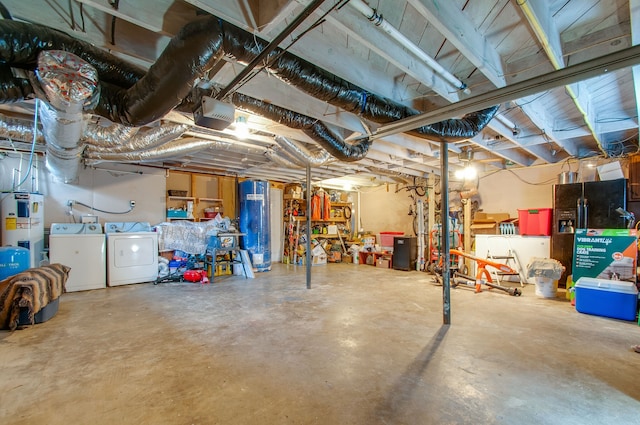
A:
467, 232
308, 255
444, 234
420, 260
431, 221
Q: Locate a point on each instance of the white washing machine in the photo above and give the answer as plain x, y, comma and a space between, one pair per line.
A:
82, 247
132, 253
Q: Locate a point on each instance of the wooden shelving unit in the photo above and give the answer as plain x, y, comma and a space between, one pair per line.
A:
204, 190
340, 219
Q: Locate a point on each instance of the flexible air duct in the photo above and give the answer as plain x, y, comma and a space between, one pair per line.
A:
312, 127
170, 150
131, 97
142, 141
18, 129
300, 152
69, 83
108, 135
13, 89
279, 160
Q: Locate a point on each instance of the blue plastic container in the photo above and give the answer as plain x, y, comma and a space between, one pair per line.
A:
255, 222
617, 299
13, 260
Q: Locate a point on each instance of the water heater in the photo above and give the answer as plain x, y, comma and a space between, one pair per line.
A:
23, 223
255, 222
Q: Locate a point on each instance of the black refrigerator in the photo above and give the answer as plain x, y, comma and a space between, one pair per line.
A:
584, 205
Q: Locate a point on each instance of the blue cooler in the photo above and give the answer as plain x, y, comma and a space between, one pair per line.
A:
13, 260
617, 299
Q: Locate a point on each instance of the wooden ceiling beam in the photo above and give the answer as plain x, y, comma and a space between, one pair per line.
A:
462, 33
634, 6
541, 22
365, 32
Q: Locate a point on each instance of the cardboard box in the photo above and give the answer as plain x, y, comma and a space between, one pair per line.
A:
318, 250
605, 254
334, 257
609, 298
347, 259
489, 223
610, 171
383, 262
167, 254
318, 260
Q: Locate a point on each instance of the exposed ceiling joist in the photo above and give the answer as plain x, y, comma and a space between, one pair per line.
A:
461, 32
634, 6
542, 24
370, 36
617, 60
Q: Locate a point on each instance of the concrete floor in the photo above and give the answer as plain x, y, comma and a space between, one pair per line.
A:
364, 346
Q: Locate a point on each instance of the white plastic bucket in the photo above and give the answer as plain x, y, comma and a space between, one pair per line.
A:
546, 287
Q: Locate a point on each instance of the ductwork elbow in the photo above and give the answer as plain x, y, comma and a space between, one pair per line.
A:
298, 151
279, 160
313, 128
69, 83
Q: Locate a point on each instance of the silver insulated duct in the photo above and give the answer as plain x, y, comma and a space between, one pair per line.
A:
170, 150
18, 129
135, 97
141, 141
303, 155
69, 84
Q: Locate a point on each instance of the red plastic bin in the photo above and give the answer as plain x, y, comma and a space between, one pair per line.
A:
386, 238
535, 222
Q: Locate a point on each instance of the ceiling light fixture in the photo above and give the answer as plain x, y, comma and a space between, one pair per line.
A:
241, 127
467, 173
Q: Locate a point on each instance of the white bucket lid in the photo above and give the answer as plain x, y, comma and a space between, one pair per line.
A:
607, 285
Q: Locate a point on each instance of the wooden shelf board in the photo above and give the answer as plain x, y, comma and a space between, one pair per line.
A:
331, 220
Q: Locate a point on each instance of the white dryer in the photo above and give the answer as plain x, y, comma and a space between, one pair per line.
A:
80, 246
132, 253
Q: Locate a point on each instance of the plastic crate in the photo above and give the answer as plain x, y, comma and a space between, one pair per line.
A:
176, 214
386, 238
535, 222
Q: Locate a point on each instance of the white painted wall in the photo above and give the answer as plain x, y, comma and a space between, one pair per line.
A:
507, 191
380, 209
504, 191
384, 210
99, 188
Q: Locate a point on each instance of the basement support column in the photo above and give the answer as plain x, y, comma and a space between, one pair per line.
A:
466, 205
444, 232
308, 254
